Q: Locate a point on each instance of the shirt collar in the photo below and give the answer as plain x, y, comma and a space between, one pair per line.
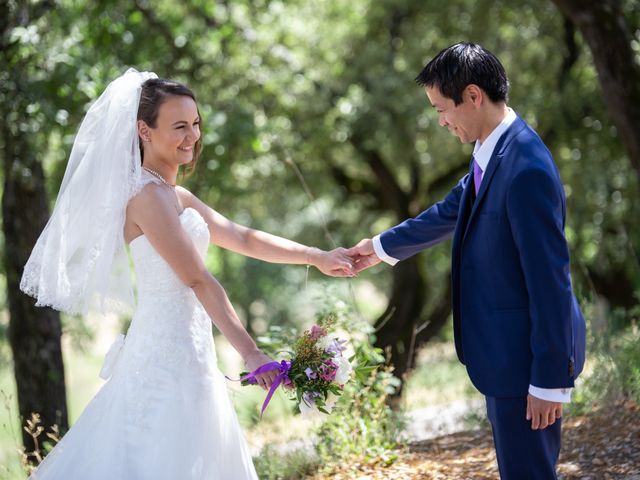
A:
482, 152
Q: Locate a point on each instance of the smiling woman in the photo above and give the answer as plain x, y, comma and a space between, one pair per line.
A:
168, 121
164, 412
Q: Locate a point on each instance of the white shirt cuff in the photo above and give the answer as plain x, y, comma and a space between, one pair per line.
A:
382, 255
551, 394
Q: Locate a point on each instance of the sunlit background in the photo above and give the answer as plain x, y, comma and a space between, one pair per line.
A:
315, 130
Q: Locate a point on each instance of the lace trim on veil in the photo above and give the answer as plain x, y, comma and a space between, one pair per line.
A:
79, 262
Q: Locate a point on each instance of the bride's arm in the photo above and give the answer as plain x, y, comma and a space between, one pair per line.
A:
265, 246
153, 212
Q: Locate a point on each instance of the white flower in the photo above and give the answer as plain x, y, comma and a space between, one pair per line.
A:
325, 341
332, 398
309, 410
344, 370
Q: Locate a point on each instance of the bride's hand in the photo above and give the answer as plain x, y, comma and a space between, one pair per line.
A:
335, 263
254, 361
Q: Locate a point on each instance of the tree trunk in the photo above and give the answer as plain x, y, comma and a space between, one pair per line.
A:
402, 327
34, 333
605, 29
399, 321
398, 325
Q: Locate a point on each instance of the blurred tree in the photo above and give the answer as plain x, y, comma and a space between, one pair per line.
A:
607, 29
327, 87
359, 119
34, 333
611, 30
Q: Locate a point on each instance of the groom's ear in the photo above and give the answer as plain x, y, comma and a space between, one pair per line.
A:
474, 94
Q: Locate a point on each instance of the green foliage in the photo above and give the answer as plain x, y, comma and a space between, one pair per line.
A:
274, 464
367, 429
613, 375
362, 425
323, 86
438, 378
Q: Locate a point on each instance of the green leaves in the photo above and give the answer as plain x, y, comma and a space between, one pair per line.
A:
364, 372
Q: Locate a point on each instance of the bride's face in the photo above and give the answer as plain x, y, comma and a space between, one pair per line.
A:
176, 132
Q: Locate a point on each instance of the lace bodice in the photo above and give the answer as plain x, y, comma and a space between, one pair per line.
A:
164, 413
169, 325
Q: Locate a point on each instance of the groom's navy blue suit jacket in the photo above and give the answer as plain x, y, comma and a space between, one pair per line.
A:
516, 320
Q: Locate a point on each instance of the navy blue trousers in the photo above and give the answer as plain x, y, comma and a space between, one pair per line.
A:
523, 454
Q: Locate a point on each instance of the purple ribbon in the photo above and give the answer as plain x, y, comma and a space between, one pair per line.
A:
283, 367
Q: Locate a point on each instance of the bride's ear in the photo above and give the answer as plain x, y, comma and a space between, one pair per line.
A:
144, 131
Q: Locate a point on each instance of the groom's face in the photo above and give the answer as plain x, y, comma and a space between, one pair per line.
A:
461, 120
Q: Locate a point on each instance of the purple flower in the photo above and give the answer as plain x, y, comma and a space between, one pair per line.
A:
328, 370
311, 375
317, 332
309, 397
336, 347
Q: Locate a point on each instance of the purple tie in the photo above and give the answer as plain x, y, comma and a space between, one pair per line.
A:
477, 175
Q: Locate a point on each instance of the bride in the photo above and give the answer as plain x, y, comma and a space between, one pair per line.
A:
164, 412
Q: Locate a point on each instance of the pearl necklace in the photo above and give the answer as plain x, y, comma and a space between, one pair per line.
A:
159, 177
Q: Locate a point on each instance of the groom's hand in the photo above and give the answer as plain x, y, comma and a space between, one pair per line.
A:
336, 263
364, 255
542, 413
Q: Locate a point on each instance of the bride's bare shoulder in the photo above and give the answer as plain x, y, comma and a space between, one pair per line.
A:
148, 192
151, 199
187, 199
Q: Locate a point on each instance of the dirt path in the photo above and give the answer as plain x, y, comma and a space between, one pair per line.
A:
601, 446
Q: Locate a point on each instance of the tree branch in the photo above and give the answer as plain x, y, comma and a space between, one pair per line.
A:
571, 53
392, 195
348, 182
606, 31
162, 29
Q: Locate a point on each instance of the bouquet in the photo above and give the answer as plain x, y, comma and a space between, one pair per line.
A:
315, 375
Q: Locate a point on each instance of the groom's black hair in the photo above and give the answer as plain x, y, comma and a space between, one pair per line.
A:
463, 64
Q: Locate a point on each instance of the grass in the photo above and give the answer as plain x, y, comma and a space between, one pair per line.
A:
612, 371
82, 380
278, 424
82, 384
439, 378
9, 429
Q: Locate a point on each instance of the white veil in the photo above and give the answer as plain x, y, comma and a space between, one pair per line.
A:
79, 262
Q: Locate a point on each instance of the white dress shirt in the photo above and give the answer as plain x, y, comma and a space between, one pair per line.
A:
482, 153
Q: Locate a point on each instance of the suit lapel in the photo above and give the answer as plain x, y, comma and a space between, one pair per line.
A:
496, 158
463, 212
469, 212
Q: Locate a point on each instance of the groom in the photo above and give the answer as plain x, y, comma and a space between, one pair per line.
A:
518, 327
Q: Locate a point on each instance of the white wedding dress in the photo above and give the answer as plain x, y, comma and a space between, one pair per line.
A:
164, 413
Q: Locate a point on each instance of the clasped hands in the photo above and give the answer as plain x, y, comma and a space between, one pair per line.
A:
343, 262
339, 262
346, 262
